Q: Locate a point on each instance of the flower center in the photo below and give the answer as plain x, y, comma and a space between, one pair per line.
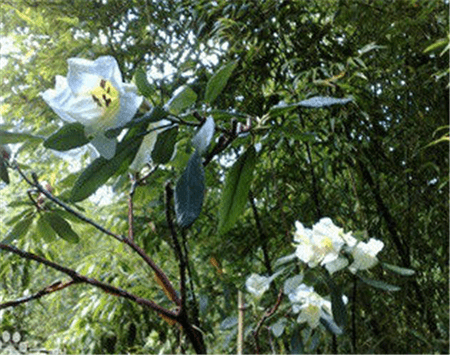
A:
106, 96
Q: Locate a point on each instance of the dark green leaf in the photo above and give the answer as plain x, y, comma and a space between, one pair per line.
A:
235, 192
189, 192
165, 144
44, 230
218, 81
330, 324
337, 304
13, 137
296, 341
68, 137
379, 284
4, 171
101, 169
20, 229
61, 227
144, 87
398, 270
182, 98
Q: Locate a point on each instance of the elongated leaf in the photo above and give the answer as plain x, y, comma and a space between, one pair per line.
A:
144, 87
61, 227
217, 82
313, 102
44, 230
4, 171
379, 284
323, 101
165, 144
101, 169
330, 324
398, 270
235, 192
337, 304
203, 137
189, 192
20, 229
68, 137
182, 98
14, 137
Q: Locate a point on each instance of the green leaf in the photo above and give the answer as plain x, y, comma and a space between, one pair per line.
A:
217, 82
379, 284
235, 192
337, 304
101, 169
4, 171
68, 137
278, 327
61, 227
144, 87
165, 144
313, 102
44, 230
189, 192
182, 98
330, 324
398, 270
203, 137
13, 137
20, 229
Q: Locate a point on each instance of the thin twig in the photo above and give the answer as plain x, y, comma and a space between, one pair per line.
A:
78, 278
56, 286
268, 314
160, 274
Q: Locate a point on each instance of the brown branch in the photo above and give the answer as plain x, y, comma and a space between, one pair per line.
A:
160, 274
56, 286
266, 315
78, 278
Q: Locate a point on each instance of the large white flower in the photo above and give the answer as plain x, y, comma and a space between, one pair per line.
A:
94, 95
365, 255
310, 304
321, 245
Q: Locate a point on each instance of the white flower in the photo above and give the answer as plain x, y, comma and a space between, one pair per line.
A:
321, 245
257, 284
311, 305
364, 255
94, 95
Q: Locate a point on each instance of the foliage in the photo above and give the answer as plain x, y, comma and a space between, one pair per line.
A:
320, 109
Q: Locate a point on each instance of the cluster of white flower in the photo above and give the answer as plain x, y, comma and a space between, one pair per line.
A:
324, 243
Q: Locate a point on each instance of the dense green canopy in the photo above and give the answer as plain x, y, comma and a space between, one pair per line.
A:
334, 108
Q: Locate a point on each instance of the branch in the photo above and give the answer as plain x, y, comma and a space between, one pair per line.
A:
78, 278
159, 273
268, 314
56, 286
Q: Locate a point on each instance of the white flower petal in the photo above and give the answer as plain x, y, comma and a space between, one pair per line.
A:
257, 284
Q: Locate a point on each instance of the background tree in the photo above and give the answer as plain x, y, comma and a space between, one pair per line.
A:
378, 165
